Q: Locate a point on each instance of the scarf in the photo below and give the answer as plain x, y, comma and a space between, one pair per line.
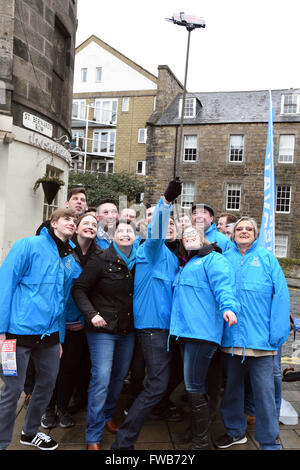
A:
132, 257
64, 248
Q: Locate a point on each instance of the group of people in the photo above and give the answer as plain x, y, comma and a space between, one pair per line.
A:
87, 290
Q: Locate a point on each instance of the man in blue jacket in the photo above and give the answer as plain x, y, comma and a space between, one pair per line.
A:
36, 278
156, 268
203, 216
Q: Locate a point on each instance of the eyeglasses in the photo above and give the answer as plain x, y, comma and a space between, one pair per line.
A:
247, 229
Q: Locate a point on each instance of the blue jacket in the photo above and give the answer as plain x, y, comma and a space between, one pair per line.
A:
156, 267
203, 291
72, 313
212, 235
35, 283
261, 288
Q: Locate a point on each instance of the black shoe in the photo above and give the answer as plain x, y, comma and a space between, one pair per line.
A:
40, 440
49, 419
170, 415
65, 420
227, 441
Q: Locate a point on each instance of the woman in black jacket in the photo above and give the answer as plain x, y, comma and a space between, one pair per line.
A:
103, 293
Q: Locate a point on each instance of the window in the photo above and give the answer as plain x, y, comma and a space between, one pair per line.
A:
189, 107
141, 167
84, 75
106, 111
281, 245
286, 149
142, 136
290, 104
188, 194
102, 167
283, 198
104, 142
125, 104
233, 197
98, 74
236, 148
190, 148
78, 109
77, 139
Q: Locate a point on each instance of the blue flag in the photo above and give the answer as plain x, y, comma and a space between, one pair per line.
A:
267, 228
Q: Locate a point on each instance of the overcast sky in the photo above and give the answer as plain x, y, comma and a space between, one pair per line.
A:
246, 45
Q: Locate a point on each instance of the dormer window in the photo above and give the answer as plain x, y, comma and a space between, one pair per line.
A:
290, 103
189, 107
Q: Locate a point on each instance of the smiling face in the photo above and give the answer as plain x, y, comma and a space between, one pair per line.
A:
87, 228
124, 235
171, 234
192, 239
221, 225
108, 214
244, 234
64, 227
202, 218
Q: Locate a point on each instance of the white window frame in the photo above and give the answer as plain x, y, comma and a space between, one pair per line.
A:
233, 201
125, 104
286, 150
286, 201
189, 150
81, 105
143, 170
97, 79
78, 134
293, 97
233, 149
142, 135
187, 194
84, 74
189, 108
281, 245
106, 110
111, 142
97, 163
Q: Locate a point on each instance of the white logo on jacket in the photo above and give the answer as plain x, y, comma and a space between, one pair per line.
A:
255, 262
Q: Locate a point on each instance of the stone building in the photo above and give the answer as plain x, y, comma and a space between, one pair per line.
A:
113, 98
221, 156
37, 45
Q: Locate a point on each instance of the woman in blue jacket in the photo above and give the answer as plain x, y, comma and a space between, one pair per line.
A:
202, 300
263, 325
74, 368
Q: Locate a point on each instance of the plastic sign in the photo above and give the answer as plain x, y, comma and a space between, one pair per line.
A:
187, 20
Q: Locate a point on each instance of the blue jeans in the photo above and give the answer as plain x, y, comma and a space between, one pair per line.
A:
46, 365
110, 357
261, 373
196, 360
249, 403
157, 360
278, 380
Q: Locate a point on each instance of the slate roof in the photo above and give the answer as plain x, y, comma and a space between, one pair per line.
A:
230, 107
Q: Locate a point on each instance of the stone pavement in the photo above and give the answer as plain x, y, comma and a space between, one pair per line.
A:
157, 435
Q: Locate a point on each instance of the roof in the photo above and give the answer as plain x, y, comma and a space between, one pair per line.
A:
231, 107
117, 54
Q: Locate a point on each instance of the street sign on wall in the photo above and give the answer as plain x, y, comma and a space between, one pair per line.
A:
37, 124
